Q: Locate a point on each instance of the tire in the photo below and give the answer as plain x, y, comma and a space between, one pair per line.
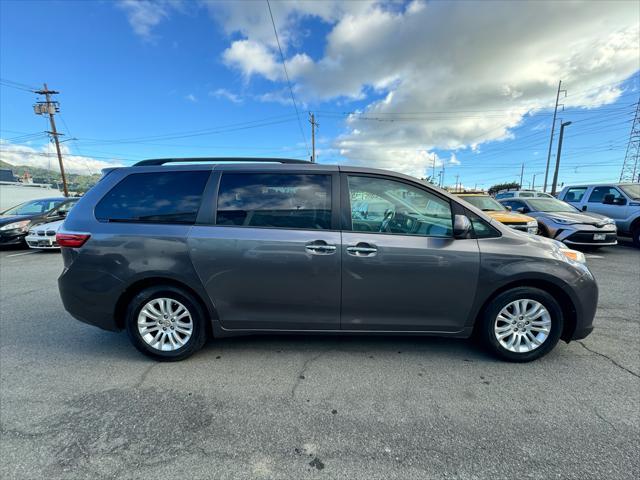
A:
636, 236
179, 336
538, 321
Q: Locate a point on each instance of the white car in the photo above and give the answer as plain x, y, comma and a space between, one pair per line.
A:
43, 236
521, 194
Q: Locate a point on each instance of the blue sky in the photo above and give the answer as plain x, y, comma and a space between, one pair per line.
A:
401, 85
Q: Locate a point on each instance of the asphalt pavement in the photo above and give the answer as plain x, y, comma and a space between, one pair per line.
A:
77, 402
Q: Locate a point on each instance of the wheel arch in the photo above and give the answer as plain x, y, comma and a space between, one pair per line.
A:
136, 287
567, 305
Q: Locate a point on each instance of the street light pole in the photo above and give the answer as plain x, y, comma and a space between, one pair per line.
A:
555, 173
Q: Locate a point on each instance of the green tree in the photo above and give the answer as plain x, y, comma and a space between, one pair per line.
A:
504, 186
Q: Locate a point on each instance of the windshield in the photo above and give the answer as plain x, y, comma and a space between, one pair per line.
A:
550, 205
632, 189
34, 207
483, 203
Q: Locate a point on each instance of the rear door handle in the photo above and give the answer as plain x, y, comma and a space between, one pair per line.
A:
320, 247
362, 249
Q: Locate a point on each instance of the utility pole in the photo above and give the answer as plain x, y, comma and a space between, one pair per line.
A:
555, 174
553, 126
433, 175
457, 177
442, 177
312, 121
521, 174
50, 108
533, 182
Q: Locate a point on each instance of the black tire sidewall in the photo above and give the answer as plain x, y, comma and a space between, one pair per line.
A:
503, 299
636, 237
198, 336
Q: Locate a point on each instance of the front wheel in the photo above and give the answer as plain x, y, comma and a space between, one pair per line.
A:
636, 236
166, 323
522, 324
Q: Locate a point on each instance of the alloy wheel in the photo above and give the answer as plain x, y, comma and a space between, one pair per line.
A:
522, 325
165, 324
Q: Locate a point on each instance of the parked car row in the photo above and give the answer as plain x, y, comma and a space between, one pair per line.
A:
17, 224
583, 216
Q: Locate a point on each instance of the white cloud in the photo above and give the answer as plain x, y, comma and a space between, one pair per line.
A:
191, 97
46, 157
485, 65
251, 57
226, 94
145, 15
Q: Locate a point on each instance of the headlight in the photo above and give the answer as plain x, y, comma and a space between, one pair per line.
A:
532, 227
21, 225
609, 221
573, 255
562, 221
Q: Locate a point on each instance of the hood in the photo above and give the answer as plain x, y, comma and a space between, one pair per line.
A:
508, 217
49, 226
4, 219
587, 218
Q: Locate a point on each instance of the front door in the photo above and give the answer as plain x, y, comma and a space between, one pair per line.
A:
401, 267
272, 259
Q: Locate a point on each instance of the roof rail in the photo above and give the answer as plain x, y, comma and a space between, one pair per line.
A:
162, 161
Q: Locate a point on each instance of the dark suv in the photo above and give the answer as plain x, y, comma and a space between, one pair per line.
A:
175, 253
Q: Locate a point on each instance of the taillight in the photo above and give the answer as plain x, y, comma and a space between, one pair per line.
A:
73, 240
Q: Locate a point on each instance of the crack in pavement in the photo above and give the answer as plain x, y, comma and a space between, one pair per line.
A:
302, 371
609, 358
145, 374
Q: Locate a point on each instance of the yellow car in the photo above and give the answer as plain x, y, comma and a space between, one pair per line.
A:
500, 213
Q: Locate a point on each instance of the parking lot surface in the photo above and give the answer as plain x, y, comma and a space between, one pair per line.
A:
78, 402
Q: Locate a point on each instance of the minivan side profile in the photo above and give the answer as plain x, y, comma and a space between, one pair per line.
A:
177, 253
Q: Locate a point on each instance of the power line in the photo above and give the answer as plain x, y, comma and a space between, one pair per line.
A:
17, 85
286, 74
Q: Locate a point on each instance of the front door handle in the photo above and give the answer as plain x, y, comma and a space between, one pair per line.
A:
584, 208
362, 249
320, 247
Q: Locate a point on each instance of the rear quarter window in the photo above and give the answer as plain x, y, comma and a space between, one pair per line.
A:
157, 197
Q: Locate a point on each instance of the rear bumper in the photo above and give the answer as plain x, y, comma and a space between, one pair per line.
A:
77, 286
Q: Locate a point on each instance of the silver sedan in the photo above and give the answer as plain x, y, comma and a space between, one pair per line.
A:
563, 222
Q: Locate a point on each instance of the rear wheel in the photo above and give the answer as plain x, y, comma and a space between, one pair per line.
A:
522, 324
636, 236
166, 323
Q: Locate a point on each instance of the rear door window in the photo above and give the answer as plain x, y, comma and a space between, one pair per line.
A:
158, 197
575, 194
275, 200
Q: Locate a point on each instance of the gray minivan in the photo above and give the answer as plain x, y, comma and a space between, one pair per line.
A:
179, 250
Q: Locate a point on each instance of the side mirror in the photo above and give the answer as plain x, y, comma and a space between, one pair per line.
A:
461, 226
62, 213
508, 207
522, 210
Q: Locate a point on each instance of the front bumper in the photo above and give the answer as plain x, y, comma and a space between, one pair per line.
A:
586, 235
585, 299
42, 242
12, 237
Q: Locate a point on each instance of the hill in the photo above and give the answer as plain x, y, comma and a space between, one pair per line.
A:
76, 183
